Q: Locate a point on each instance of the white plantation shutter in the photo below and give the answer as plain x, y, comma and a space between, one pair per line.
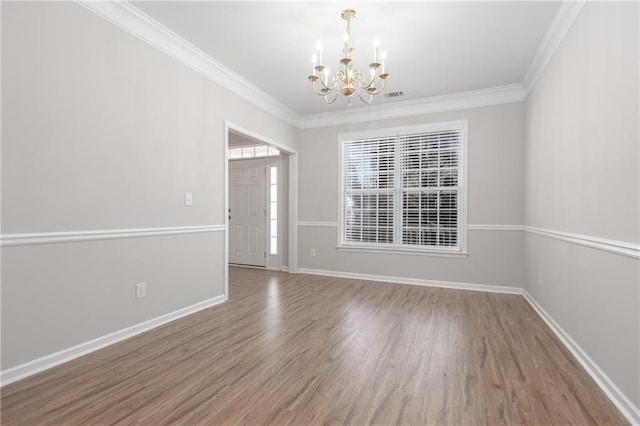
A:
369, 175
403, 190
431, 174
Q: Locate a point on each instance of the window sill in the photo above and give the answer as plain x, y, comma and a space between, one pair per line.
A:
403, 251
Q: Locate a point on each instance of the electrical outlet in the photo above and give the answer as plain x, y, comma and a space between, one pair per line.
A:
313, 252
188, 199
141, 290
539, 278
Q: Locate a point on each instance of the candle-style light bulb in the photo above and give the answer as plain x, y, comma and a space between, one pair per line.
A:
326, 76
319, 52
383, 56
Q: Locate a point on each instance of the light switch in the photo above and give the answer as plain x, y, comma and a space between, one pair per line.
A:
188, 199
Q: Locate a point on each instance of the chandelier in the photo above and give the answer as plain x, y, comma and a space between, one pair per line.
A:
348, 80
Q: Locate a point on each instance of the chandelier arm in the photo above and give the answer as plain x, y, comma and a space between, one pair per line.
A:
381, 88
316, 91
359, 78
363, 100
378, 89
363, 84
370, 84
331, 86
324, 89
326, 98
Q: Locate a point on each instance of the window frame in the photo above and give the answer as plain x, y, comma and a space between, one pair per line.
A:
273, 251
458, 251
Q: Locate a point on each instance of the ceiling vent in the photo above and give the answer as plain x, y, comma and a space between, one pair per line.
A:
394, 94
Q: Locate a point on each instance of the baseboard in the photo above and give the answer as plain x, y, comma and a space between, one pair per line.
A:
239, 265
41, 364
414, 281
619, 399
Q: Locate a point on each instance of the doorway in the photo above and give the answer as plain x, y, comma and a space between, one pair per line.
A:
258, 194
282, 179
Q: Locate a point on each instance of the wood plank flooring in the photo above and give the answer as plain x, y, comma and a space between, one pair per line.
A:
303, 349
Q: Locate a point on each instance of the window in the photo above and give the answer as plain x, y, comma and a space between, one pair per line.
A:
273, 151
273, 210
403, 188
235, 153
261, 151
252, 151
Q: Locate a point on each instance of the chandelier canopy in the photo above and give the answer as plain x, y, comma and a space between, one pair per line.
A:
348, 80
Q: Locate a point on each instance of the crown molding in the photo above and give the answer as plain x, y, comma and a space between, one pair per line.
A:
456, 101
126, 16
569, 11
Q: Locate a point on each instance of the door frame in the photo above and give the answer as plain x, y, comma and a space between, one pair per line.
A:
292, 198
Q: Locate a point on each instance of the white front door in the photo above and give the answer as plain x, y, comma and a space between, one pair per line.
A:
247, 212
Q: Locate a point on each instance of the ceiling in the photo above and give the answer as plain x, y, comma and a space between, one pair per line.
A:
433, 48
237, 139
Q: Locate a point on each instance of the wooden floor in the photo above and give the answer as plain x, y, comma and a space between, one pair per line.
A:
302, 349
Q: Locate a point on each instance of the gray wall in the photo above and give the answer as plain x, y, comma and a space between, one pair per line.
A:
582, 177
496, 181
102, 131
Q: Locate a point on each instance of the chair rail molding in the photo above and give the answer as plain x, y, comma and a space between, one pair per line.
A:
24, 239
318, 224
485, 227
613, 246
